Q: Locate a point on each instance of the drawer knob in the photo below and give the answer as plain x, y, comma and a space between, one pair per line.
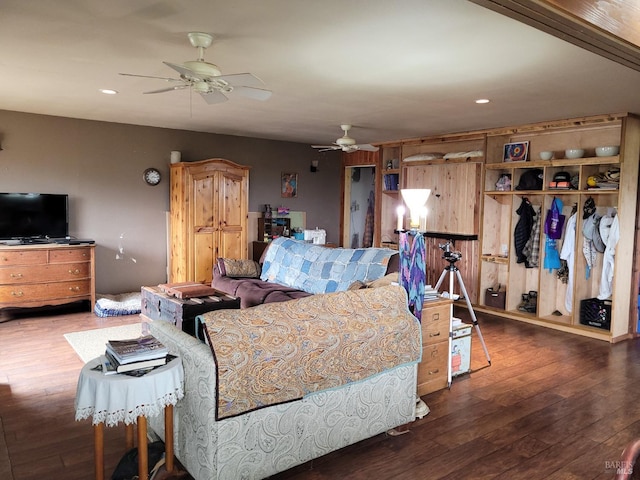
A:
437, 334
74, 289
17, 294
16, 275
74, 272
433, 372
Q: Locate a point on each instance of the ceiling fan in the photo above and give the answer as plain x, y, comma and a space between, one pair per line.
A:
346, 143
206, 78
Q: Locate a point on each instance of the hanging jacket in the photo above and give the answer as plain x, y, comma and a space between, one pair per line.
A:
522, 232
568, 253
532, 248
553, 232
612, 237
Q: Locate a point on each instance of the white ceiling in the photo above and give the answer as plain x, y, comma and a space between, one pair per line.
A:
393, 69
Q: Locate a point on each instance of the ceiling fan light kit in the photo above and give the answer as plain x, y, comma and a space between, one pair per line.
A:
207, 79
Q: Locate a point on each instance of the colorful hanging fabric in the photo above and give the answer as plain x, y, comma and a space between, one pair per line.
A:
413, 270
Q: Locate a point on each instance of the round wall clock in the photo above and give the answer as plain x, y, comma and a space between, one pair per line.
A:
152, 176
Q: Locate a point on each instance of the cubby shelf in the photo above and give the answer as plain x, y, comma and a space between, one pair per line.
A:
464, 201
557, 302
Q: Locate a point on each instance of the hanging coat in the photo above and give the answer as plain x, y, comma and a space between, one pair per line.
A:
522, 232
591, 241
532, 248
367, 238
606, 281
567, 253
551, 254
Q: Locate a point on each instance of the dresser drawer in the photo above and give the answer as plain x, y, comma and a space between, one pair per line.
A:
23, 257
69, 255
435, 322
44, 273
15, 294
432, 371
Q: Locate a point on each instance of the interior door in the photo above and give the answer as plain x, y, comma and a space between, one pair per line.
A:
359, 206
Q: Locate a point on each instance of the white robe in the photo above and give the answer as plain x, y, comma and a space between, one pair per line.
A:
568, 253
606, 280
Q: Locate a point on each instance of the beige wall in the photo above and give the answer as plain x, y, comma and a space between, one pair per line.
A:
100, 166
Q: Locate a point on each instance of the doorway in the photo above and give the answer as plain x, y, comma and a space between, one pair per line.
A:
359, 206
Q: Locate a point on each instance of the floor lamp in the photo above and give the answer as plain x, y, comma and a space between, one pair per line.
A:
412, 258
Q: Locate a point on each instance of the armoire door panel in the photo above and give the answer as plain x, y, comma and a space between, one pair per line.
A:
204, 201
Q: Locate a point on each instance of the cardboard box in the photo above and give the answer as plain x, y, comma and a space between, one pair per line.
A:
461, 349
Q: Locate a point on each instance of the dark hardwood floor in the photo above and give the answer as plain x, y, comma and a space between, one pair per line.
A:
551, 406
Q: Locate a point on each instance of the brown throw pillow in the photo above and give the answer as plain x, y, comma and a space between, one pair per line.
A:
235, 268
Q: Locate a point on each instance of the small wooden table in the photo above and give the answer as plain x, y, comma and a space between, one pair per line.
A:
111, 399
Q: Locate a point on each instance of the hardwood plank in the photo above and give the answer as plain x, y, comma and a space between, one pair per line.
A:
551, 405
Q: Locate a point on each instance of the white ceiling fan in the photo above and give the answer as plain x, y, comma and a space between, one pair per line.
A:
346, 143
206, 78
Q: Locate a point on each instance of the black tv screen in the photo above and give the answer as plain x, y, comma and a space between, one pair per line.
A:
33, 215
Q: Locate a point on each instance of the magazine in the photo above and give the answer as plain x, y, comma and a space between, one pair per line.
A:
136, 349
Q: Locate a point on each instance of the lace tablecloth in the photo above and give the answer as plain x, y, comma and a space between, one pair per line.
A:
111, 399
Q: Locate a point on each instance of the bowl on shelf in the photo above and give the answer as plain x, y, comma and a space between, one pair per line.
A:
573, 153
546, 155
608, 151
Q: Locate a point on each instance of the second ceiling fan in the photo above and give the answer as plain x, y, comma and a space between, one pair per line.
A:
346, 143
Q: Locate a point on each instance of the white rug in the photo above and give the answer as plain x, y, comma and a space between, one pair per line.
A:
90, 344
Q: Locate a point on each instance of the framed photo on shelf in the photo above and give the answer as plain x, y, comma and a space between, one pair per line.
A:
516, 152
289, 185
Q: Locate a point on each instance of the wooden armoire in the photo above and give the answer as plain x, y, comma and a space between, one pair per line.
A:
209, 203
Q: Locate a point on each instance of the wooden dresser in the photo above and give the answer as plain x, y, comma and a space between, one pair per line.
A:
50, 274
432, 371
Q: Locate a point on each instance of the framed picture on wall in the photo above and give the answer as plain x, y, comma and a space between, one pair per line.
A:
289, 185
516, 152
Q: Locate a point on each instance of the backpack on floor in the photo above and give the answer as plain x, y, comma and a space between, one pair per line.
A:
127, 468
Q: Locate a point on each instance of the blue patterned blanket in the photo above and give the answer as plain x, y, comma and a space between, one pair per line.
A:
318, 269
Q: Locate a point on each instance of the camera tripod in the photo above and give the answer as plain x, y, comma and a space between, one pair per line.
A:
452, 258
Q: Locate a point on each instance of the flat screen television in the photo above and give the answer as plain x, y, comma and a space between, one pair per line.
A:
33, 216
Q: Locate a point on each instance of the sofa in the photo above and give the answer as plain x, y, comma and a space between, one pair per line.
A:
291, 269
310, 342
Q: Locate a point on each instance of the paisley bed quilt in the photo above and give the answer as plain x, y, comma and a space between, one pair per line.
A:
280, 352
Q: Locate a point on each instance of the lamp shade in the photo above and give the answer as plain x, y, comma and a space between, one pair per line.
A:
416, 199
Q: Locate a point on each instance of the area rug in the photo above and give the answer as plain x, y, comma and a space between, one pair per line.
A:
90, 344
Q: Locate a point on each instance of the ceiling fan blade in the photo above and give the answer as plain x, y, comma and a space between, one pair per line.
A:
168, 89
214, 97
254, 93
149, 76
326, 148
368, 148
242, 80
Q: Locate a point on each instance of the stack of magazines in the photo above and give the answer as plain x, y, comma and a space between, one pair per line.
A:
134, 355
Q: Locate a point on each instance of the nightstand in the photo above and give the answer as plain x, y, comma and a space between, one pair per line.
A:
432, 370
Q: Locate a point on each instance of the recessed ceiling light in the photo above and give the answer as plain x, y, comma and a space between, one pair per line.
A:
483, 100
108, 91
